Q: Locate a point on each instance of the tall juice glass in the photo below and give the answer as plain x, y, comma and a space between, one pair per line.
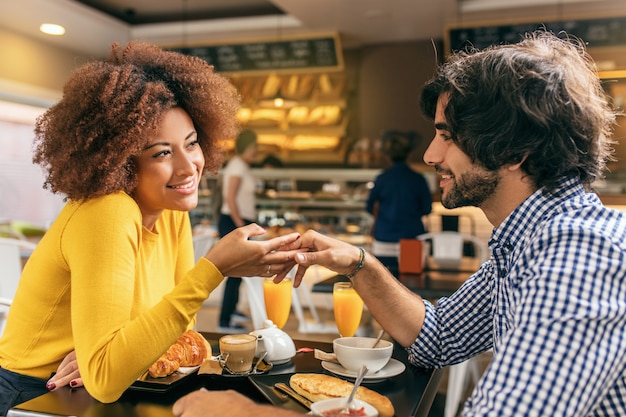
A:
277, 301
348, 307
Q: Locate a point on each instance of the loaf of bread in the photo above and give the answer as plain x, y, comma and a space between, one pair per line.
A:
317, 387
190, 349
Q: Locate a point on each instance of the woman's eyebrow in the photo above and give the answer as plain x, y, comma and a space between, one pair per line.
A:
152, 145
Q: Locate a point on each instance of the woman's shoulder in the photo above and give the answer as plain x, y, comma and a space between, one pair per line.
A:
105, 206
118, 200
113, 212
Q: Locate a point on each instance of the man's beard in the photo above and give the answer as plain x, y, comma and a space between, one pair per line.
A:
471, 189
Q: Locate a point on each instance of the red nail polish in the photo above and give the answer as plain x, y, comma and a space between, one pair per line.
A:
73, 383
50, 386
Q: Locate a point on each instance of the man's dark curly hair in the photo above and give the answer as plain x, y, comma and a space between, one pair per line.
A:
89, 141
540, 99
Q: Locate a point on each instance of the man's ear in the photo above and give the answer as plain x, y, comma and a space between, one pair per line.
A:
517, 165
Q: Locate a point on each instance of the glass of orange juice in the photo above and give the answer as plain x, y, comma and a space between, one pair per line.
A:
348, 307
277, 300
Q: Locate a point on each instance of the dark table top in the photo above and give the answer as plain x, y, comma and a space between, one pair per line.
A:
412, 392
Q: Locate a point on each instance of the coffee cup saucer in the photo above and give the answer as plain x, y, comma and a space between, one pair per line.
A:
394, 367
264, 367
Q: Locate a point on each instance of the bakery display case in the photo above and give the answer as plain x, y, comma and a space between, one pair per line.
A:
299, 117
331, 201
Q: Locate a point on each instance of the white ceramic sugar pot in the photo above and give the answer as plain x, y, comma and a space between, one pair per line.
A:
278, 345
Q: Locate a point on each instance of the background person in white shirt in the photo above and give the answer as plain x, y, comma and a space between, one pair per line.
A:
238, 209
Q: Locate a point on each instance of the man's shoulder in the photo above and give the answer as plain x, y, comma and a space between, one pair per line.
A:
588, 208
586, 218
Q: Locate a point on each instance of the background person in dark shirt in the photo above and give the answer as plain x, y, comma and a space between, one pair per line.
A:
398, 201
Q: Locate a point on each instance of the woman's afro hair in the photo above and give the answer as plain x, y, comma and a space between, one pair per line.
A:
88, 142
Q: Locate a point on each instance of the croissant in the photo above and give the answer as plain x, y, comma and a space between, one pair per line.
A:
190, 349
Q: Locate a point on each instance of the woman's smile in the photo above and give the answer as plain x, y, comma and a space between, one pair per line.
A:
187, 187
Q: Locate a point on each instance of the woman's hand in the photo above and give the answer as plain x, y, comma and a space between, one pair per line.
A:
237, 255
67, 374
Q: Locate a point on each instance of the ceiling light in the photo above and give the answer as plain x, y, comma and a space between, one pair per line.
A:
52, 29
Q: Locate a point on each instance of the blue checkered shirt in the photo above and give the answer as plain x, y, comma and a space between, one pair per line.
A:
551, 302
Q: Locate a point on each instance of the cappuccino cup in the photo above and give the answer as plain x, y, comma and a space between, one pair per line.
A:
237, 353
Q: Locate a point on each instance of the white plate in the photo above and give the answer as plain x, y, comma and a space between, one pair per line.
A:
394, 367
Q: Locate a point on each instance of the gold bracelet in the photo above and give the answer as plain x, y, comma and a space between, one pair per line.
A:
359, 264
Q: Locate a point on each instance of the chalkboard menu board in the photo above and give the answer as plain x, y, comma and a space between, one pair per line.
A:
312, 54
610, 31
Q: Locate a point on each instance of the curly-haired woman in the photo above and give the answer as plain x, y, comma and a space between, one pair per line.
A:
113, 283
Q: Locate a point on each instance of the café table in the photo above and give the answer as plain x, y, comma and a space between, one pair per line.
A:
411, 392
439, 279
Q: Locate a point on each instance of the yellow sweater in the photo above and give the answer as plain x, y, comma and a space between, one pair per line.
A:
101, 284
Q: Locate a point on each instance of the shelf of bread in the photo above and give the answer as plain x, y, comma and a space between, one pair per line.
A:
298, 87
311, 121
325, 116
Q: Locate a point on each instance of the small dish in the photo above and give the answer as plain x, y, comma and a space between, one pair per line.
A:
319, 408
394, 367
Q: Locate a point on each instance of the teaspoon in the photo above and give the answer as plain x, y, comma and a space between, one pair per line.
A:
357, 382
380, 336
